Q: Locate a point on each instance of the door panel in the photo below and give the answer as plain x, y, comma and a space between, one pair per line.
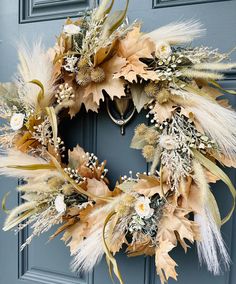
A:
44, 262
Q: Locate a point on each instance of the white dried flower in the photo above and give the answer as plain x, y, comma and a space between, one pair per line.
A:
163, 50
71, 29
142, 207
70, 63
17, 121
60, 204
168, 142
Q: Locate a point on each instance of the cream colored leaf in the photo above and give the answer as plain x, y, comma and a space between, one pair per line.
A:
114, 87
77, 157
98, 188
140, 99
175, 220
132, 48
163, 111
165, 265
149, 185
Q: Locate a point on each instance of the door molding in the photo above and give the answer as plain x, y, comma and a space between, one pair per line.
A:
38, 275
172, 3
44, 10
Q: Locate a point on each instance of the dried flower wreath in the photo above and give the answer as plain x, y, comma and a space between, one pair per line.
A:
191, 130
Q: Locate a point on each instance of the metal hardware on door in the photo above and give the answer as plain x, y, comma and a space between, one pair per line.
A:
124, 108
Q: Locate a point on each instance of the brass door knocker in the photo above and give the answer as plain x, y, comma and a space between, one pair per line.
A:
122, 107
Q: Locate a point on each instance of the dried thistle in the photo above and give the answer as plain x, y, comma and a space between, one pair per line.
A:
151, 136
151, 89
163, 96
97, 75
83, 63
148, 152
141, 129
83, 77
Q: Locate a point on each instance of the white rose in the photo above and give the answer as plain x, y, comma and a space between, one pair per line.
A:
142, 207
163, 50
17, 121
71, 29
60, 204
168, 142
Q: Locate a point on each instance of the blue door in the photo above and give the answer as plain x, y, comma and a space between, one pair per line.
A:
48, 263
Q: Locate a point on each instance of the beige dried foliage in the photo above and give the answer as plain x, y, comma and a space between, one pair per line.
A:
98, 187
76, 233
142, 245
165, 265
117, 242
163, 111
175, 220
132, 48
114, 87
149, 185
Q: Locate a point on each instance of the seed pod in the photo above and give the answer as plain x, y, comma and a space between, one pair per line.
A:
97, 75
83, 63
151, 89
83, 77
163, 96
148, 152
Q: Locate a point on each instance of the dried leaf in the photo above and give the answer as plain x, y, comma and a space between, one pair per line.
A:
74, 235
163, 111
104, 53
165, 265
103, 9
140, 247
114, 87
77, 157
140, 99
149, 185
132, 48
98, 187
113, 21
176, 220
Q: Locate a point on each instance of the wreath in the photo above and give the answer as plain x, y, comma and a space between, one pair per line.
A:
190, 130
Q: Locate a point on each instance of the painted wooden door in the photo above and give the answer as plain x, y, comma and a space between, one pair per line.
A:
44, 262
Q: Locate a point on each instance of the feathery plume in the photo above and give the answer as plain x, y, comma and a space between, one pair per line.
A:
11, 159
89, 252
211, 249
190, 73
178, 33
217, 121
214, 66
35, 64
